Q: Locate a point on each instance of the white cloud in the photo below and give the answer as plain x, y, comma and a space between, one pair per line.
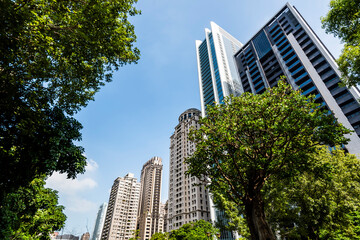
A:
67, 186
71, 191
91, 166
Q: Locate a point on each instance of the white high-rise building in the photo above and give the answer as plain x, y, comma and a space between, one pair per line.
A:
218, 77
99, 223
121, 214
187, 202
149, 220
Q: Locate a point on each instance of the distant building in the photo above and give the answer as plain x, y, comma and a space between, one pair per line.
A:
121, 214
85, 236
67, 237
99, 223
162, 217
166, 213
188, 201
149, 221
54, 235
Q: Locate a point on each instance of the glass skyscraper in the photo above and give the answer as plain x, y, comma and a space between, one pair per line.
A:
285, 46
218, 77
99, 223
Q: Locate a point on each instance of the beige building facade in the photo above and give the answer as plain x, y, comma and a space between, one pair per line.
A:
150, 220
121, 214
188, 201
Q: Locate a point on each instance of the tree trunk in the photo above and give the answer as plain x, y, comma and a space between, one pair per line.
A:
255, 216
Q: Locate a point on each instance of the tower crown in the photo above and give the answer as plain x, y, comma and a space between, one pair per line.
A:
189, 113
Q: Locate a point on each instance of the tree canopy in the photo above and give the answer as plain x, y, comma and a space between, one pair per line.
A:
343, 20
317, 204
250, 140
32, 212
54, 56
198, 230
320, 203
160, 236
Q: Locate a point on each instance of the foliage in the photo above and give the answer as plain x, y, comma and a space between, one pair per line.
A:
343, 20
160, 236
316, 204
198, 230
55, 55
235, 221
252, 139
135, 235
32, 212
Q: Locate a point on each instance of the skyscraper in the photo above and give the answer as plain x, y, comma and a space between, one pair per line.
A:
218, 77
99, 222
149, 221
121, 214
287, 46
187, 202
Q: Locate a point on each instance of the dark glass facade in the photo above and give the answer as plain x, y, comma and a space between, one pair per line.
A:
285, 47
205, 71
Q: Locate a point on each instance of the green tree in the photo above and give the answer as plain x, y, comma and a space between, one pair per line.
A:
135, 235
343, 20
234, 220
318, 202
160, 236
198, 230
32, 212
250, 140
55, 55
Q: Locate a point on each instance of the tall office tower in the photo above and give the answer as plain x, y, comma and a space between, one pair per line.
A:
121, 214
149, 206
287, 45
99, 223
218, 77
186, 202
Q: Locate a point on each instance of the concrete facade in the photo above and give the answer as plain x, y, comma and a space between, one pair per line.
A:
186, 202
121, 214
149, 219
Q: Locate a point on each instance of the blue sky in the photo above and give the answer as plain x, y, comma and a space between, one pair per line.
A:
133, 117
